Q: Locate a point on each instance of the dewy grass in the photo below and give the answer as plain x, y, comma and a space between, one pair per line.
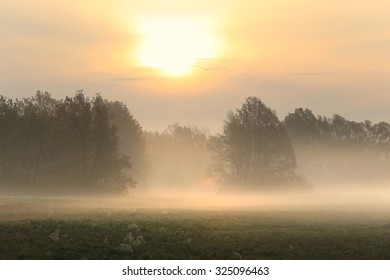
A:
74, 230
195, 235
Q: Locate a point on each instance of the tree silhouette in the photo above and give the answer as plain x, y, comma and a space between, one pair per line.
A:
254, 149
35, 134
131, 139
74, 121
339, 151
56, 146
302, 126
9, 123
107, 164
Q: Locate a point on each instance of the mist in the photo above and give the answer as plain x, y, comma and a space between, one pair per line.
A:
80, 178
96, 147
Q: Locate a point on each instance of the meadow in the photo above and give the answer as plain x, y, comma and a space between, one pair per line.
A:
72, 228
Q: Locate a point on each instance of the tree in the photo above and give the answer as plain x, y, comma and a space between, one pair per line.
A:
302, 126
9, 123
60, 146
34, 139
131, 138
335, 150
254, 149
74, 139
108, 165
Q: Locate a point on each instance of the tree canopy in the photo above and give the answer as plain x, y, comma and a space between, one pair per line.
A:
254, 149
337, 151
89, 145
61, 145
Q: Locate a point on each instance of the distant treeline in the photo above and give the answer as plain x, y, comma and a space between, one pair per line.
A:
256, 150
91, 145
338, 151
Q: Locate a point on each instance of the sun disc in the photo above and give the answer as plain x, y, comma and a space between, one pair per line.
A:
172, 47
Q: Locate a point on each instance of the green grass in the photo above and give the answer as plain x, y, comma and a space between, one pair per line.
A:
192, 234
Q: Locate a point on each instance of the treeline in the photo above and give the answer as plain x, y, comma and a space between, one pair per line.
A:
338, 151
256, 150
63, 145
91, 145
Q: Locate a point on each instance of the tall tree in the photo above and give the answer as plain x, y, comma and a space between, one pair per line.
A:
60, 145
254, 149
131, 138
74, 139
302, 126
108, 166
35, 135
9, 123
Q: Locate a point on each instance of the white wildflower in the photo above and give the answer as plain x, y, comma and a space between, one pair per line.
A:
133, 226
139, 240
129, 238
55, 236
237, 255
126, 247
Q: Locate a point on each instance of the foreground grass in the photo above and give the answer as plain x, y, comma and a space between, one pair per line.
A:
194, 234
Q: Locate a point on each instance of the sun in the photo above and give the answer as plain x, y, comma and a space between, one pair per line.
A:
173, 46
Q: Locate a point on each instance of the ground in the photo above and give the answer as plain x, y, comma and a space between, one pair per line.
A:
57, 228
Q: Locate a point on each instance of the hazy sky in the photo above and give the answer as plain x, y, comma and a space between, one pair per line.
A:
192, 61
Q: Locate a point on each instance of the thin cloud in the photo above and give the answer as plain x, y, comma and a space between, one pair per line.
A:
311, 73
128, 79
206, 64
318, 73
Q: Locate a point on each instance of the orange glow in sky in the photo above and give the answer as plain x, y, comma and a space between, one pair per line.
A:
329, 56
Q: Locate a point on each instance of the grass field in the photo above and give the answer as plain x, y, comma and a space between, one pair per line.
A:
53, 228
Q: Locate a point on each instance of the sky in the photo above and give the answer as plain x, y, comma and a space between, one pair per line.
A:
192, 61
